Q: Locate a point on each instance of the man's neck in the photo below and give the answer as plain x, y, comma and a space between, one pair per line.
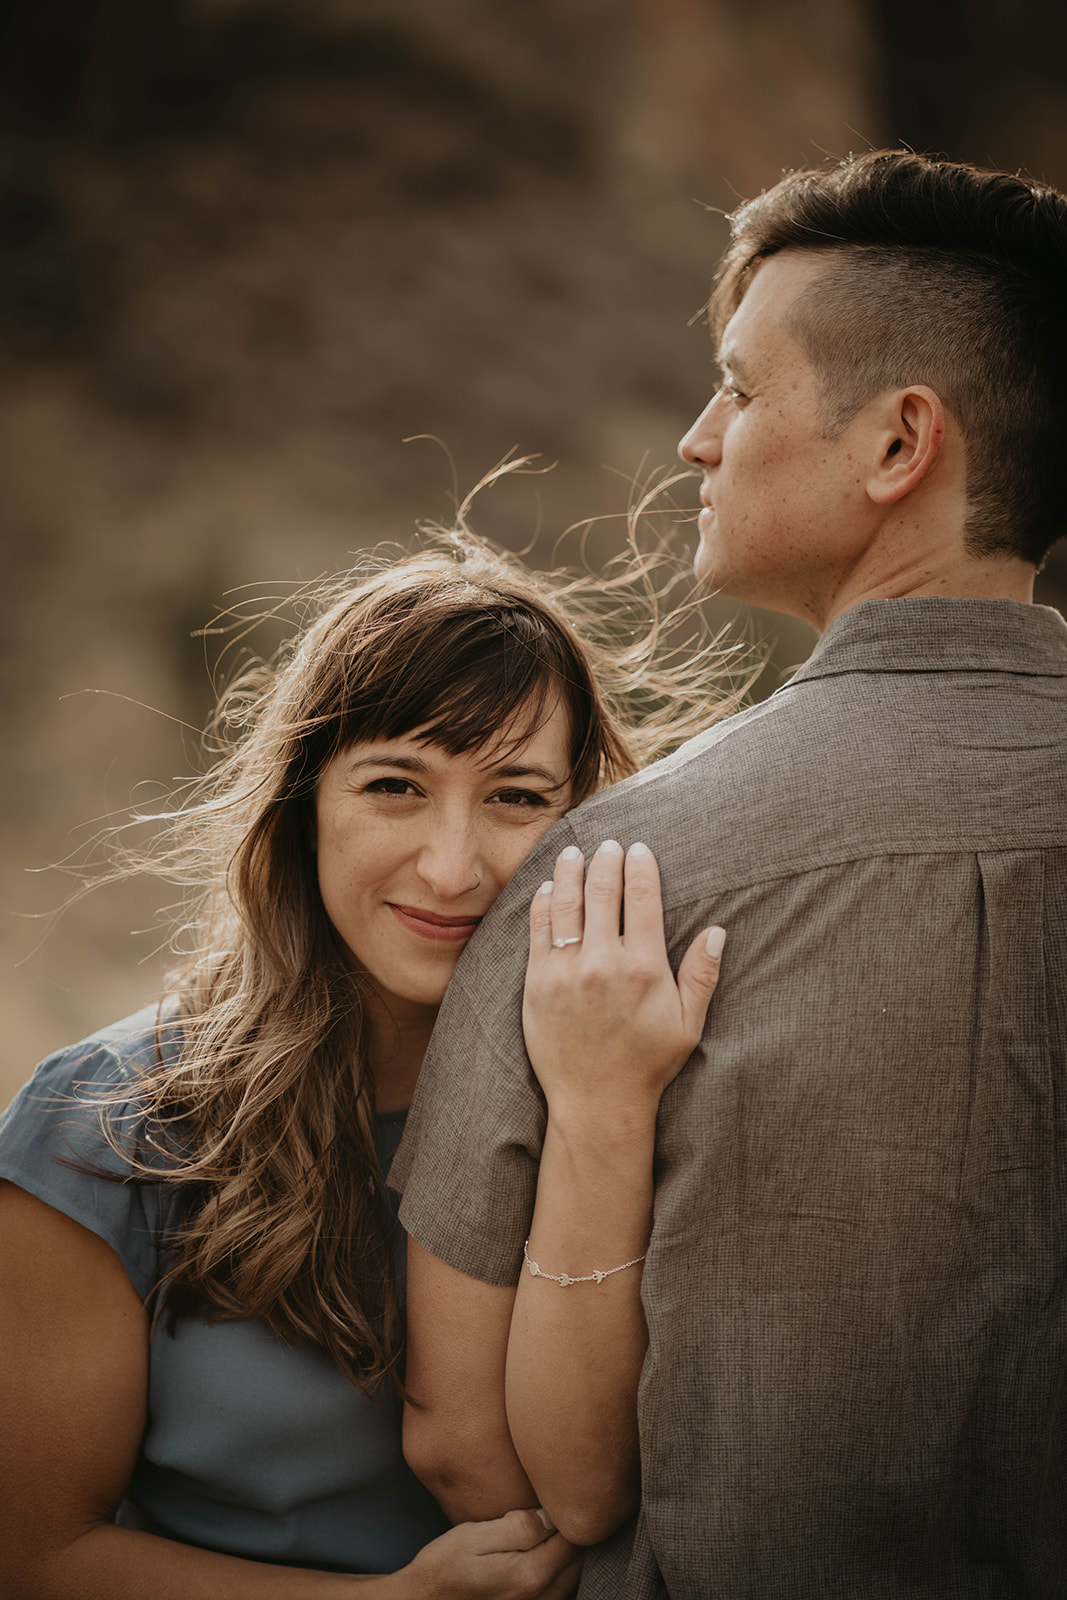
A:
987, 578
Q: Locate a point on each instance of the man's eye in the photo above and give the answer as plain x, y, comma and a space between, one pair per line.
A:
732, 392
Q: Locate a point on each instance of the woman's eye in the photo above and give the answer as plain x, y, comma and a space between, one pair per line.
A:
395, 786
520, 797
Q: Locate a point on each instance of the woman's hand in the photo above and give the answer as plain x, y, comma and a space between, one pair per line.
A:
516, 1557
606, 1022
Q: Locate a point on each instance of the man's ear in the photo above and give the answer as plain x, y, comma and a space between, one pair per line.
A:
910, 435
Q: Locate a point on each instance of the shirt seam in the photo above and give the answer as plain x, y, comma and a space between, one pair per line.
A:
890, 850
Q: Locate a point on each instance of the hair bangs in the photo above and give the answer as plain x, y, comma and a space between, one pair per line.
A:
461, 684
471, 715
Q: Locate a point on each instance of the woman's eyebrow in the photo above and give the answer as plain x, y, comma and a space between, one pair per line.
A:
527, 772
414, 764
406, 763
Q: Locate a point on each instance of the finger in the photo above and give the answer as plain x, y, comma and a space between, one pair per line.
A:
541, 922
516, 1530
603, 892
642, 902
554, 1567
698, 978
568, 899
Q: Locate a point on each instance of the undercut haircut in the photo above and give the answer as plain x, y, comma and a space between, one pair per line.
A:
939, 274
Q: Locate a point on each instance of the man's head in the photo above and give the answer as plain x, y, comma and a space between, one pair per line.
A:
906, 273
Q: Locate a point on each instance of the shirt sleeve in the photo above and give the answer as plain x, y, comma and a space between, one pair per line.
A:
468, 1164
53, 1131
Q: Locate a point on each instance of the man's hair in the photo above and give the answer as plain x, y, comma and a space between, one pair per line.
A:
944, 275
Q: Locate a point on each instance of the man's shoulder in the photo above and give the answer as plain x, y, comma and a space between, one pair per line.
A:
844, 765
730, 784
729, 751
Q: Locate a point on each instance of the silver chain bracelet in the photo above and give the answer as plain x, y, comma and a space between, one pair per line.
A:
565, 1280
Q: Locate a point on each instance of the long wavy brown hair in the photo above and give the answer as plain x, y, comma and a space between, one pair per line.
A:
265, 1119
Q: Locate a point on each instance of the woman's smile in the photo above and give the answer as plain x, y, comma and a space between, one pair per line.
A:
430, 925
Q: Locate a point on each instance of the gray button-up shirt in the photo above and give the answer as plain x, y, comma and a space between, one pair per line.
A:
856, 1286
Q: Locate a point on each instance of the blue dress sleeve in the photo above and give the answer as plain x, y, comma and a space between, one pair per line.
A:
53, 1130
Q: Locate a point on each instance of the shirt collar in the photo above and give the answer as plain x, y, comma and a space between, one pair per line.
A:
934, 634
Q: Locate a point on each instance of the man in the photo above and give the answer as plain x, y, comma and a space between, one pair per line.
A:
856, 1279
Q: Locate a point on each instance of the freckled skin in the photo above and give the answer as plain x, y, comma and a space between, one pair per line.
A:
810, 526
787, 515
402, 828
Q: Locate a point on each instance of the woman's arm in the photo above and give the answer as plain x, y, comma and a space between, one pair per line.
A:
607, 1028
74, 1344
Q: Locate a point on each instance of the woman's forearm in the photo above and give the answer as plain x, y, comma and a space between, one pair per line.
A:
111, 1563
504, 1559
575, 1351
608, 1026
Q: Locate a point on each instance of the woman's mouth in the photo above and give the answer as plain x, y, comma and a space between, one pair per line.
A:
430, 925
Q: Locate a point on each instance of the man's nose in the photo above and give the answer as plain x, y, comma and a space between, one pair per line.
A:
449, 860
702, 445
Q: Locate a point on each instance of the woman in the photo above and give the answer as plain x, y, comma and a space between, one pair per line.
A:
197, 1270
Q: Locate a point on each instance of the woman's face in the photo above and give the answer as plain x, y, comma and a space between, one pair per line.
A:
414, 845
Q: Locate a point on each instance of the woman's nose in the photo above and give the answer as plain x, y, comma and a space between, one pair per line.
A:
449, 861
702, 445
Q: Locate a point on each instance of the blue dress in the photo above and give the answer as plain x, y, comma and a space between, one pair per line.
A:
251, 1446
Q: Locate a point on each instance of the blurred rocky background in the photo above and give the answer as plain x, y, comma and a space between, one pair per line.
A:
248, 247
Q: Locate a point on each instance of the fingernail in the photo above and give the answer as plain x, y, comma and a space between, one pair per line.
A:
714, 942
571, 853
612, 847
544, 1519
639, 850
546, 887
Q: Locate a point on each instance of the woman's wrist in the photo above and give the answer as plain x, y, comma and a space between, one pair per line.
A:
594, 1202
590, 1128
